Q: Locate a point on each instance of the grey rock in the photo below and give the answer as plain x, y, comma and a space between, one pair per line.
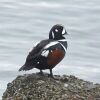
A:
37, 87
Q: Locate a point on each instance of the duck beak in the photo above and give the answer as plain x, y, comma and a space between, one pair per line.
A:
66, 33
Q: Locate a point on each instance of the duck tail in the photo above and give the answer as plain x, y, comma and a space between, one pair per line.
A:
22, 68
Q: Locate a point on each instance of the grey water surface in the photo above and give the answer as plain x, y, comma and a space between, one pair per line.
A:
23, 23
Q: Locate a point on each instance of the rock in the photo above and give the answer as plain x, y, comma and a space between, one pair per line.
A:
37, 87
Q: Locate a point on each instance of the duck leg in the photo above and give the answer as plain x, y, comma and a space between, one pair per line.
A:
41, 72
51, 74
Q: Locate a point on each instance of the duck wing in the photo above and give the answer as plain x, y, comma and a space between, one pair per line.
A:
33, 55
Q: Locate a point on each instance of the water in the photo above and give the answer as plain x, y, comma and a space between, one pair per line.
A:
25, 22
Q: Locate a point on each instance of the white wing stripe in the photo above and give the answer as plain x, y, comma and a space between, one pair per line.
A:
45, 53
51, 44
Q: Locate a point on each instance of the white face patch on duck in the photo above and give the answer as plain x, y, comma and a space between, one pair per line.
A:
56, 30
63, 31
53, 35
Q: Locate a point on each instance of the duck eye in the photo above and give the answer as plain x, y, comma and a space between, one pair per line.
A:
56, 30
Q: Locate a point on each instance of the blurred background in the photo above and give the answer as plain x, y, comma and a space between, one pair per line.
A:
23, 23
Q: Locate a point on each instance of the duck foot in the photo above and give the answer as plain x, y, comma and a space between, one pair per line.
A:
41, 73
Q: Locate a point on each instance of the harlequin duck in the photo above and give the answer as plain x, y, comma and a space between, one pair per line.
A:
48, 53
